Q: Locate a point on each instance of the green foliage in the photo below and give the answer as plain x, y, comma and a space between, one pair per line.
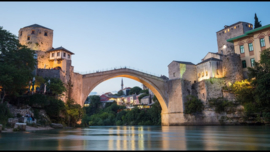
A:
74, 112
39, 80
4, 114
146, 91
120, 93
135, 90
94, 106
37, 100
254, 93
17, 64
193, 105
54, 108
56, 86
222, 105
257, 22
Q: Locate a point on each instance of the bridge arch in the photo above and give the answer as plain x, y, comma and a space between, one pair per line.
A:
156, 84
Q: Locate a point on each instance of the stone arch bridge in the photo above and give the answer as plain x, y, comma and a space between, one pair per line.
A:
169, 92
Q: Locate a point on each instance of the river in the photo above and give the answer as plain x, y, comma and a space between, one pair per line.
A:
141, 138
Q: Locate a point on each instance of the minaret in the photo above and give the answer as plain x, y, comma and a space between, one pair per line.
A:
122, 85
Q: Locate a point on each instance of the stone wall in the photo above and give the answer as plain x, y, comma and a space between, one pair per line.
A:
232, 68
51, 73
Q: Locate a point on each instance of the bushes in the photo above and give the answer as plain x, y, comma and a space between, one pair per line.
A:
37, 100
4, 114
193, 105
222, 105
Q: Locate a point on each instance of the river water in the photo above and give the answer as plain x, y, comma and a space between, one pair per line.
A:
141, 138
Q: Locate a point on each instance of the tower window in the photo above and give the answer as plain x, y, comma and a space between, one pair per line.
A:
64, 54
174, 74
244, 64
58, 53
262, 42
250, 46
21, 33
252, 62
46, 34
68, 56
202, 74
33, 32
52, 54
28, 37
206, 73
242, 49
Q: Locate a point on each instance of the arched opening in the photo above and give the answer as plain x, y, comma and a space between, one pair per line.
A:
89, 83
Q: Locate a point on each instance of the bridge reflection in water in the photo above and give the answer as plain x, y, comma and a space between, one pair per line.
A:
142, 138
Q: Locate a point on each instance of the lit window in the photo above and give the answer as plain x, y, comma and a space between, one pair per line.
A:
46, 34
217, 72
28, 37
252, 62
242, 49
33, 32
228, 30
58, 53
206, 73
52, 54
262, 42
251, 26
244, 65
235, 27
248, 25
202, 74
225, 31
250, 46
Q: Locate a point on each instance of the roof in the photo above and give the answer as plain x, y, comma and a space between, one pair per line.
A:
232, 25
248, 33
211, 53
108, 101
212, 59
36, 25
183, 62
61, 48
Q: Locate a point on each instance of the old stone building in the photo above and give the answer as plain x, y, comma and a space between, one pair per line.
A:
228, 32
51, 62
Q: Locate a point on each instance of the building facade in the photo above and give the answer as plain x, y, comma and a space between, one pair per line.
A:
250, 44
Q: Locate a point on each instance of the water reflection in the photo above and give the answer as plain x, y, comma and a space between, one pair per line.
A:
142, 138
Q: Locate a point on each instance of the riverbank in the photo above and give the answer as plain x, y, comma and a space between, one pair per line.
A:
29, 128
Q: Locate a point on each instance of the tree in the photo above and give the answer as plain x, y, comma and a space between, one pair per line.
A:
57, 87
257, 22
120, 93
74, 112
94, 106
193, 105
135, 90
17, 64
260, 76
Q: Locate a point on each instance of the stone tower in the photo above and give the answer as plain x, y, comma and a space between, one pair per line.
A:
228, 32
40, 39
36, 37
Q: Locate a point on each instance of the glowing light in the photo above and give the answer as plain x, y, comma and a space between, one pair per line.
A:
182, 69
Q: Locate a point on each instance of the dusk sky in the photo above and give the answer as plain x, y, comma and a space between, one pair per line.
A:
146, 36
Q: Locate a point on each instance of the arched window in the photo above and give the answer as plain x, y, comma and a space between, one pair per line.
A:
33, 32
46, 34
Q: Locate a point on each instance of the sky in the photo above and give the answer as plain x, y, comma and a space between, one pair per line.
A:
146, 36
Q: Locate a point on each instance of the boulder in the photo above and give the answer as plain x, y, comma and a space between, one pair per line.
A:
12, 121
20, 126
21, 120
56, 125
0, 128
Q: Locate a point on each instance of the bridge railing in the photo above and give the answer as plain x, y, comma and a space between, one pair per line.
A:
117, 68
